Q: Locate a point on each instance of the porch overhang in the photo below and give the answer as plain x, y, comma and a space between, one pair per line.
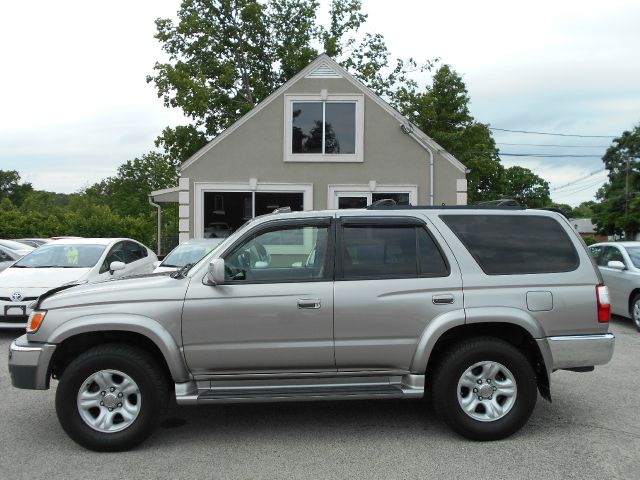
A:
166, 195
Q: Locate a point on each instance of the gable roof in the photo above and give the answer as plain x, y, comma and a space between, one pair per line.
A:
326, 67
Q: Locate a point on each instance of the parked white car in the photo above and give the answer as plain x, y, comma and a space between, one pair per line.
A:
619, 263
78, 260
16, 247
190, 251
7, 257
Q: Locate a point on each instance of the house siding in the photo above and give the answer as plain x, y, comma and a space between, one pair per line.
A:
256, 150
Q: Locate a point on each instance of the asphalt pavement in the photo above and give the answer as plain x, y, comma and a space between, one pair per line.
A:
590, 431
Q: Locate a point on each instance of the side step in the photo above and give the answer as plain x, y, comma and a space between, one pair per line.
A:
190, 394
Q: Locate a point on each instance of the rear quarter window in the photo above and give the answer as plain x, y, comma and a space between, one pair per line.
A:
515, 244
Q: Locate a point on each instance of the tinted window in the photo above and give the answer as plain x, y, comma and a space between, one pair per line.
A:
307, 127
286, 254
134, 251
515, 244
432, 264
116, 254
595, 252
389, 252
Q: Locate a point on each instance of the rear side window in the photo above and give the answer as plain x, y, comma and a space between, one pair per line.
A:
514, 244
390, 251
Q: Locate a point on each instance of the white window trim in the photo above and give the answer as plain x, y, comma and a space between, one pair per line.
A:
334, 190
200, 188
318, 157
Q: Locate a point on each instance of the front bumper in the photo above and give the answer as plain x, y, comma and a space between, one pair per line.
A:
573, 351
29, 363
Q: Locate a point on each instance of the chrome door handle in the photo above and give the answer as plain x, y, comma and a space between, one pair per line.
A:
442, 299
313, 303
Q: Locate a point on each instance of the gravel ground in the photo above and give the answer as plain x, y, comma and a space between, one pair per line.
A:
591, 430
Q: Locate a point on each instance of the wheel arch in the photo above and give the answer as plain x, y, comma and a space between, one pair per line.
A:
77, 335
632, 295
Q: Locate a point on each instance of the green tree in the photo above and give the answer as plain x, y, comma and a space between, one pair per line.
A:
442, 112
619, 207
584, 210
526, 187
12, 188
127, 193
225, 57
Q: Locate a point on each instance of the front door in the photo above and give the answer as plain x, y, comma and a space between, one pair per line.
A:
392, 279
274, 313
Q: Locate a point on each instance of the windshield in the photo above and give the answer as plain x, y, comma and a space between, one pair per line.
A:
634, 254
187, 253
62, 256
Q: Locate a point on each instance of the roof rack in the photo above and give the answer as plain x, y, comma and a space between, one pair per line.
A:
445, 207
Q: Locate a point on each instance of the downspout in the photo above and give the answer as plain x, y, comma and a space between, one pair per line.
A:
159, 221
407, 129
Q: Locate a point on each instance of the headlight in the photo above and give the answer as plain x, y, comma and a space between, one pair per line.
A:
35, 320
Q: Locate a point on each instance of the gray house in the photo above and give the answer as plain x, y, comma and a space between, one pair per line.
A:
321, 140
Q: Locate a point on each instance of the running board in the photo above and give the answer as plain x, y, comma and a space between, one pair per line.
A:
190, 394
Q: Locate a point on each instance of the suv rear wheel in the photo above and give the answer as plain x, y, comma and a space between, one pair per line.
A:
110, 397
484, 388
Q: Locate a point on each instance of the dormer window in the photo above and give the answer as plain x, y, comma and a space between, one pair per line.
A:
324, 129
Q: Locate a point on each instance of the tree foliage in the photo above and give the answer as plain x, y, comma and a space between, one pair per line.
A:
115, 207
227, 56
526, 187
619, 211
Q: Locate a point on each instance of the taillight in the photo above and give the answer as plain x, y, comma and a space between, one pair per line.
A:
604, 305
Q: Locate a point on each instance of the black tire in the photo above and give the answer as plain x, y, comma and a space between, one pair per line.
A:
634, 318
141, 368
455, 361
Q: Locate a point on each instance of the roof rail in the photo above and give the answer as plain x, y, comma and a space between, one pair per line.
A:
282, 210
445, 207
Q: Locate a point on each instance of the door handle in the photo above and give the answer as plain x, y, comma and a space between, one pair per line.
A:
442, 299
313, 303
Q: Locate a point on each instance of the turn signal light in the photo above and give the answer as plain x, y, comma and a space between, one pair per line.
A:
35, 320
604, 304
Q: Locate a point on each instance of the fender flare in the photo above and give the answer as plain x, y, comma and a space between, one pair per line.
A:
140, 324
455, 318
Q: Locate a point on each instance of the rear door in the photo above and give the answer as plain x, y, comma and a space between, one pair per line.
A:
392, 279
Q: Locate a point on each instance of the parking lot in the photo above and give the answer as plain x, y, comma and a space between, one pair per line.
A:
591, 430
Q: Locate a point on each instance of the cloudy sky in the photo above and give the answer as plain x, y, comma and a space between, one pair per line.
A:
75, 104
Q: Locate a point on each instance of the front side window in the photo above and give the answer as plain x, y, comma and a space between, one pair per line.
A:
323, 127
611, 254
284, 254
116, 254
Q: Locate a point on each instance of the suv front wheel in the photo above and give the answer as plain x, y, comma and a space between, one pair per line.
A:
110, 397
484, 388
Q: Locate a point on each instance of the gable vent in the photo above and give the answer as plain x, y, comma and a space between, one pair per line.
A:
323, 71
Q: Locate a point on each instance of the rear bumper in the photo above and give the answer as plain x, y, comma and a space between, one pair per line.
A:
29, 363
571, 351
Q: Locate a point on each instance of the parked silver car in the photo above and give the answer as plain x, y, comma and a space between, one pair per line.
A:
476, 306
7, 257
619, 263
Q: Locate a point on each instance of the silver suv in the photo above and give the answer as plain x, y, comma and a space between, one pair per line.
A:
474, 306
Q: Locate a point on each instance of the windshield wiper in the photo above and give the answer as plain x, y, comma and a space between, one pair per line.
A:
183, 271
167, 265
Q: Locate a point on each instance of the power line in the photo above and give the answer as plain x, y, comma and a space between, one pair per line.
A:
582, 188
551, 145
547, 155
578, 180
550, 133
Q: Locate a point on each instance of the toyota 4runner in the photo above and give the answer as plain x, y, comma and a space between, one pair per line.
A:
474, 306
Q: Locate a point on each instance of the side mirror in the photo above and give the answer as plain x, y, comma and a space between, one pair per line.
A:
617, 264
156, 264
116, 266
215, 271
